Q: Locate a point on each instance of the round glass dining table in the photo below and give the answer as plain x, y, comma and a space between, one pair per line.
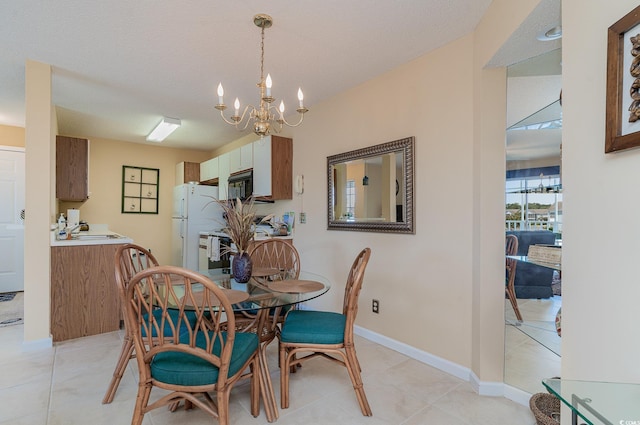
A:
271, 291
258, 305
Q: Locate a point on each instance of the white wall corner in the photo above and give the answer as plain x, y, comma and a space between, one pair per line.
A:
491, 389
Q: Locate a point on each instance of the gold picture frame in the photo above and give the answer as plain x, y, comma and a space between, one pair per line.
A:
623, 84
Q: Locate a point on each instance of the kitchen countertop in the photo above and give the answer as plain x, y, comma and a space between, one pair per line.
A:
265, 237
97, 235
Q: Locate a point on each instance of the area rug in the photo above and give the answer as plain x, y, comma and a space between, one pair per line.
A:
12, 311
7, 296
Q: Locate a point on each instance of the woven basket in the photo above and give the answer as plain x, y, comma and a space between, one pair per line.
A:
545, 408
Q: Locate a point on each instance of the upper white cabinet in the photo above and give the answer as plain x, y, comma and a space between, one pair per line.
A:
209, 170
273, 168
246, 156
223, 175
271, 159
241, 159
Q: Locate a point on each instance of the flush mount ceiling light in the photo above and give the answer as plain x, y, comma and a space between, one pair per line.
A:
551, 34
265, 118
163, 129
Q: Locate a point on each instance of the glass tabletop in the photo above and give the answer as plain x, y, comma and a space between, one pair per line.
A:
598, 403
525, 259
264, 293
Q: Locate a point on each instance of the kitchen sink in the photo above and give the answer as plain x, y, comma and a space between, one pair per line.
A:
96, 236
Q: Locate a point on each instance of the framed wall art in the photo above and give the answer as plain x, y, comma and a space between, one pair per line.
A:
140, 190
623, 84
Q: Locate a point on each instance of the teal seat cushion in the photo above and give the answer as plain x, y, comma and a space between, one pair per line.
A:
313, 327
177, 368
157, 313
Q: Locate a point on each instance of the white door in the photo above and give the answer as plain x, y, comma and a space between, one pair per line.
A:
11, 219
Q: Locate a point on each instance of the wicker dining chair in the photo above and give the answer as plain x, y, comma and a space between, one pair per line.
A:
129, 260
276, 254
188, 360
511, 248
283, 261
326, 334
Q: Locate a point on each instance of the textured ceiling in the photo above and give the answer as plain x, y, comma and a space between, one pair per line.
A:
120, 65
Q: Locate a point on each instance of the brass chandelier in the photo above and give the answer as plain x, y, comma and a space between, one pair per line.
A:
266, 118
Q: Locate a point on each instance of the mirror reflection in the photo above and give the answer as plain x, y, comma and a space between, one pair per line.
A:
533, 213
371, 189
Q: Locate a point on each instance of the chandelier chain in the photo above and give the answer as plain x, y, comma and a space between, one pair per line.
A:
262, 57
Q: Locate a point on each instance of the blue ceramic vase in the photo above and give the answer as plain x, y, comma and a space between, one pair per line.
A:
241, 268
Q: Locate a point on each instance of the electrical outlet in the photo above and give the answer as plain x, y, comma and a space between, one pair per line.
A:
375, 306
303, 218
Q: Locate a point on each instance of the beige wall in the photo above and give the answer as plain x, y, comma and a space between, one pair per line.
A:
423, 281
11, 136
601, 203
105, 184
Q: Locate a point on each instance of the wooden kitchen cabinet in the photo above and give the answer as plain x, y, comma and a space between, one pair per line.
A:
273, 168
84, 297
187, 172
72, 168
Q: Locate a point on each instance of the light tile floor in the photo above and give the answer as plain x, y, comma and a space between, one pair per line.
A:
532, 348
64, 385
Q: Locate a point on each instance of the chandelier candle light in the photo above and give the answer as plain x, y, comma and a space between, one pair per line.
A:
263, 118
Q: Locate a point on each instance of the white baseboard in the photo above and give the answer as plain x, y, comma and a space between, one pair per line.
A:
37, 344
493, 389
517, 395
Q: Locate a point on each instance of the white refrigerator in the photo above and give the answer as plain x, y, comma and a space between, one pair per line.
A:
194, 211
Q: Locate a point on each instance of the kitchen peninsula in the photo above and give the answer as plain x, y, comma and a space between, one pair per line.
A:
84, 297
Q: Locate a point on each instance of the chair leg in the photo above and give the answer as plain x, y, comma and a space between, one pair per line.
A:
223, 406
353, 367
125, 355
511, 294
284, 377
142, 399
255, 388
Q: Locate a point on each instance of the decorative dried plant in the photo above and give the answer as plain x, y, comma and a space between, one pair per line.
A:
239, 223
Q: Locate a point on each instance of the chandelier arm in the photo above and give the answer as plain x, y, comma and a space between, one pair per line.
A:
236, 123
281, 120
225, 119
293, 125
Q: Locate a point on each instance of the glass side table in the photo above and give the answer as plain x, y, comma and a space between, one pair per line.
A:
598, 403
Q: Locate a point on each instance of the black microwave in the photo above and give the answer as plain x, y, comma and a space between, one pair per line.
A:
241, 185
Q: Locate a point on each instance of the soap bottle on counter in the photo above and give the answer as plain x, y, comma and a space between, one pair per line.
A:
62, 227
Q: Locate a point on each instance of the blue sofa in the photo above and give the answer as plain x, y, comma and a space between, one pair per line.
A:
533, 281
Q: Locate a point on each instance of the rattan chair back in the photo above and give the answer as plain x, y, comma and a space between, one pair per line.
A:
352, 292
276, 254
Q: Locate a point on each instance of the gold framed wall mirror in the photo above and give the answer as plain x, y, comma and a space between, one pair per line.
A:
371, 189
